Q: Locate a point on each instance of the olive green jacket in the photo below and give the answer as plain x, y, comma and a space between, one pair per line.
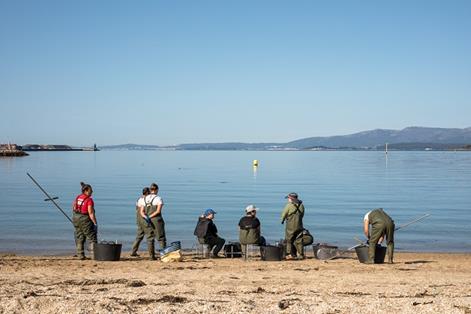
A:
379, 216
249, 236
293, 215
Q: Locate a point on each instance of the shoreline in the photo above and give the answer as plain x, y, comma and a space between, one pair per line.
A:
189, 251
416, 283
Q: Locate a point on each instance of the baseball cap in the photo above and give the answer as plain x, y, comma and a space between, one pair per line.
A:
292, 195
250, 208
209, 211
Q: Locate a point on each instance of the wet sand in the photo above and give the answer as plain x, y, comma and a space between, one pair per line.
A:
416, 283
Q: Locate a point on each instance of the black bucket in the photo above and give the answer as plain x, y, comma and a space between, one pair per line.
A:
271, 253
107, 251
362, 253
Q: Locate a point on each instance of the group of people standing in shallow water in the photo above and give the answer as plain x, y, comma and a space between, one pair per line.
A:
150, 224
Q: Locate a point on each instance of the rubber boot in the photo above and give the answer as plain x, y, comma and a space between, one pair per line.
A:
135, 248
371, 253
92, 248
151, 249
80, 249
390, 252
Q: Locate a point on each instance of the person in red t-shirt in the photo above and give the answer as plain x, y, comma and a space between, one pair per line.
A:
84, 219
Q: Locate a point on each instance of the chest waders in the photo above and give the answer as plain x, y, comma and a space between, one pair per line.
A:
84, 230
156, 228
139, 233
381, 225
294, 225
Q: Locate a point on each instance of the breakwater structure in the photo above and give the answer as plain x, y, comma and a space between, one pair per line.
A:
56, 148
11, 150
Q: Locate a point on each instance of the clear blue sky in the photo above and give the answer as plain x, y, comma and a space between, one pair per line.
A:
168, 72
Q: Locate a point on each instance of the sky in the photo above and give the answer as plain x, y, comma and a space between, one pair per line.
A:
172, 72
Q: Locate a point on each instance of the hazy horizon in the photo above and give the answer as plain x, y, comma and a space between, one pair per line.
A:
248, 142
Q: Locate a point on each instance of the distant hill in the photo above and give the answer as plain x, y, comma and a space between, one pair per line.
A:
379, 137
407, 139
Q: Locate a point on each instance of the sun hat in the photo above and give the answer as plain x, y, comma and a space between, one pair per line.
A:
251, 208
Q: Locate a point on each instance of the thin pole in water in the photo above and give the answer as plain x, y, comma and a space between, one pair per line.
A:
49, 197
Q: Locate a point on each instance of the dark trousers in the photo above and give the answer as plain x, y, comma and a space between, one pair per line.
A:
215, 244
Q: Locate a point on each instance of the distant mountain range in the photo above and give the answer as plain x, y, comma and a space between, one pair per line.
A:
411, 138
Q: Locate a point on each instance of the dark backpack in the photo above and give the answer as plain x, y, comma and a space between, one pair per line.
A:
233, 250
201, 228
308, 239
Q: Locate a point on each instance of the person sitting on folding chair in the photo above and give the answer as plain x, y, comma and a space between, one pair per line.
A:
249, 229
207, 232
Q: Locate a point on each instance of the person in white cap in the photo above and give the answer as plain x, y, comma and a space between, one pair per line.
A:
249, 228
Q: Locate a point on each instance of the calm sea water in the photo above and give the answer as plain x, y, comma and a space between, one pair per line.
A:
337, 189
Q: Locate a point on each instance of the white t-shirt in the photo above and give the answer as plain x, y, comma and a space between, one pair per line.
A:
367, 216
156, 200
140, 201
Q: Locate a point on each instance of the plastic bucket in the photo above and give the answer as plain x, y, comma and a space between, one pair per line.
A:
271, 253
107, 251
167, 250
362, 253
324, 249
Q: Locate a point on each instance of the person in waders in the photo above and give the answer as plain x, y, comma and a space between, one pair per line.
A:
139, 222
249, 229
207, 233
84, 219
292, 214
381, 226
154, 223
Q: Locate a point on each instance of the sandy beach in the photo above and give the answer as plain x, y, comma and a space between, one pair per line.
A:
416, 283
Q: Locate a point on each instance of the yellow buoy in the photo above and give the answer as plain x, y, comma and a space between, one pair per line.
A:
255, 163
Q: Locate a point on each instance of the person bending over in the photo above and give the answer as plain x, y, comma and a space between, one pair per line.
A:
381, 226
